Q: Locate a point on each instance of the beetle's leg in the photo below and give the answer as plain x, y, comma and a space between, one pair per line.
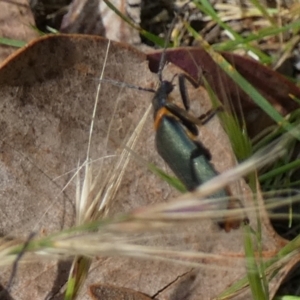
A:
186, 101
183, 90
234, 221
205, 118
185, 118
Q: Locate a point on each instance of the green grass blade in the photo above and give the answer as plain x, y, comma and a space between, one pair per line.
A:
11, 42
206, 8
263, 10
239, 139
262, 102
171, 180
151, 37
78, 274
261, 34
287, 297
283, 169
253, 272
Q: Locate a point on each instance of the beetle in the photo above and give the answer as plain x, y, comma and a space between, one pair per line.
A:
177, 144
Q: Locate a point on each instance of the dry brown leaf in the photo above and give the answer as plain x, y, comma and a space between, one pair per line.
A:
46, 114
277, 89
48, 91
95, 17
16, 20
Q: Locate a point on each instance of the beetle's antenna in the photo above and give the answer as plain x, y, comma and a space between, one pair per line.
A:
162, 61
128, 85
